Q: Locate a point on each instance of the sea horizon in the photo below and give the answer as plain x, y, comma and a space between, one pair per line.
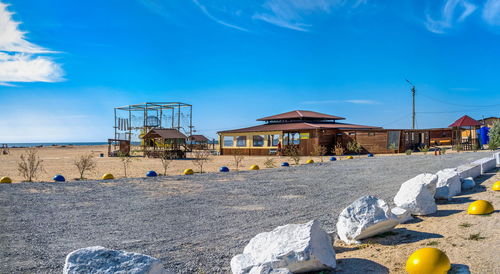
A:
48, 144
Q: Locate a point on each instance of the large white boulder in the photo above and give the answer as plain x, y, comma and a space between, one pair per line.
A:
469, 170
468, 183
401, 214
98, 259
448, 184
486, 164
266, 269
417, 194
296, 247
365, 217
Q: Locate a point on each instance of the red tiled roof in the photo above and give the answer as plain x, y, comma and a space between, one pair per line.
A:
298, 126
465, 121
198, 138
301, 115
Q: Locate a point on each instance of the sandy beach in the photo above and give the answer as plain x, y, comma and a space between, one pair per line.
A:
60, 160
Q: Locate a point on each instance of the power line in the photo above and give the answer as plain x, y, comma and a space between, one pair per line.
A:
453, 104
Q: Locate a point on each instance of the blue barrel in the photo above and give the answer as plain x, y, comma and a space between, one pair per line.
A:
224, 169
59, 178
285, 164
151, 173
370, 154
333, 159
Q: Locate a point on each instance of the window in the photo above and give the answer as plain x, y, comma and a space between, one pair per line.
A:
371, 133
258, 140
352, 133
241, 141
273, 140
295, 138
228, 141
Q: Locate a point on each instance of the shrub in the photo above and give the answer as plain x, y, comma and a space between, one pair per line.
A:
424, 149
339, 149
494, 135
292, 151
166, 159
319, 151
238, 158
30, 165
85, 163
408, 151
393, 146
201, 157
354, 147
126, 161
458, 148
443, 150
269, 163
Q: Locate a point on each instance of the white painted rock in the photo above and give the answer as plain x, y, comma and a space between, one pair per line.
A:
469, 170
486, 164
296, 247
496, 155
401, 214
468, 183
366, 217
266, 269
448, 184
417, 194
98, 259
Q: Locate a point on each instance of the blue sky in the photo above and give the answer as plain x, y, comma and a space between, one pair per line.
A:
65, 65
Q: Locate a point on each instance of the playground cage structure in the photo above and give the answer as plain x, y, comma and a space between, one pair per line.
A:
132, 122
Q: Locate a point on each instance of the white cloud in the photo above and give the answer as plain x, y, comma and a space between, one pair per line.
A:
453, 12
491, 12
19, 61
351, 101
209, 15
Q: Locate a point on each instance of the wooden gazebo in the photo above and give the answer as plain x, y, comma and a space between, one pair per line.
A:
160, 142
464, 132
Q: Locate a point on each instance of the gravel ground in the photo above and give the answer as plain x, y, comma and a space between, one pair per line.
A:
192, 223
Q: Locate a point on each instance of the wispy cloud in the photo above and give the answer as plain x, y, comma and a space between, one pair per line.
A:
350, 101
293, 14
215, 19
491, 12
19, 59
452, 13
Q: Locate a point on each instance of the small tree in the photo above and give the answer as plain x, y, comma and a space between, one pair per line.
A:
85, 163
292, 151
494, 135
319, 151
30, 165
339, 149
443, 150
458, 148
269, 162
354, 147
238, 158
201, 157
126, 161
424, 149
166, 159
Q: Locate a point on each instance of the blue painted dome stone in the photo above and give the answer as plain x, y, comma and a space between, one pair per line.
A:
59, 178
285, 164
151, 173
333, 159
224, 169
370, 154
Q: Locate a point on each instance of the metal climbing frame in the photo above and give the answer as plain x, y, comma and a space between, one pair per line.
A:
133, 121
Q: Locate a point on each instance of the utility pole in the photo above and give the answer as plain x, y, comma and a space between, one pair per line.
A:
413, 90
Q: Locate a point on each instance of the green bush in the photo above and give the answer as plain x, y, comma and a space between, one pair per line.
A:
408, 151
494, 135
424, 149
443, 150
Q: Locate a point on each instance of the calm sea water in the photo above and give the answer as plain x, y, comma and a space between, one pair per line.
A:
55, 144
